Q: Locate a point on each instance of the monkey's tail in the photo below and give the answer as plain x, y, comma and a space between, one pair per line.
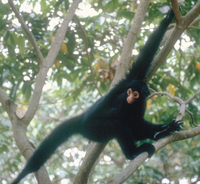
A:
142, 64
58, 136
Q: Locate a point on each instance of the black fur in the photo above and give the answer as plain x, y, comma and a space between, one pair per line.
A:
111, 116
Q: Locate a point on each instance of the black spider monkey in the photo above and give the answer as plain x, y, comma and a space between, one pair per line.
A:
118, 114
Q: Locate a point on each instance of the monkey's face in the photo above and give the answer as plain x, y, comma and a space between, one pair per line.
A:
132, 99
137, 91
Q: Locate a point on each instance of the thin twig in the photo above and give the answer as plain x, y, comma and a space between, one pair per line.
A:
180, 102
87, 53
179, 61
177, 12
28, 32
193, 27
194, 96
192, 117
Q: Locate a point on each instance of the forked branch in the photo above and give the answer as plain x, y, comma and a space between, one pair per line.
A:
180, 102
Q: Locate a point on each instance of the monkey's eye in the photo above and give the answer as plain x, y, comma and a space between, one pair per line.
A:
129, 91
136, 94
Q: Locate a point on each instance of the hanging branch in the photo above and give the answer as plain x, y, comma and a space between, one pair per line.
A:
28, 32
87, 53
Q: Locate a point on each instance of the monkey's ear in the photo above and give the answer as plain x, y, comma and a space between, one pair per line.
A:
132, 95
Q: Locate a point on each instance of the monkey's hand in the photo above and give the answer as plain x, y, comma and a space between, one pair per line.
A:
170, 14
168, 129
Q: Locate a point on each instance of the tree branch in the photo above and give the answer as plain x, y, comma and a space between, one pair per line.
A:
27, 31
3, 99
122, 68
35, 98
161, 56
93, 152
129, 43
19, 131
53, 52
159, 59
60, 34
19, 125
139, 160
194, 96
176, 11
133, 166
87, 53
180, 102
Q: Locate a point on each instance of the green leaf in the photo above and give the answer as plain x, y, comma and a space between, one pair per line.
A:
58, 2
43, 5
4, 8
71, 42
21, 44
11, 51
59, 80
26, 90
111, 6
66, 4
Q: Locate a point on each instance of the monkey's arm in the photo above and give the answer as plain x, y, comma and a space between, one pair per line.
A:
158, 131
147, 53
144, 130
